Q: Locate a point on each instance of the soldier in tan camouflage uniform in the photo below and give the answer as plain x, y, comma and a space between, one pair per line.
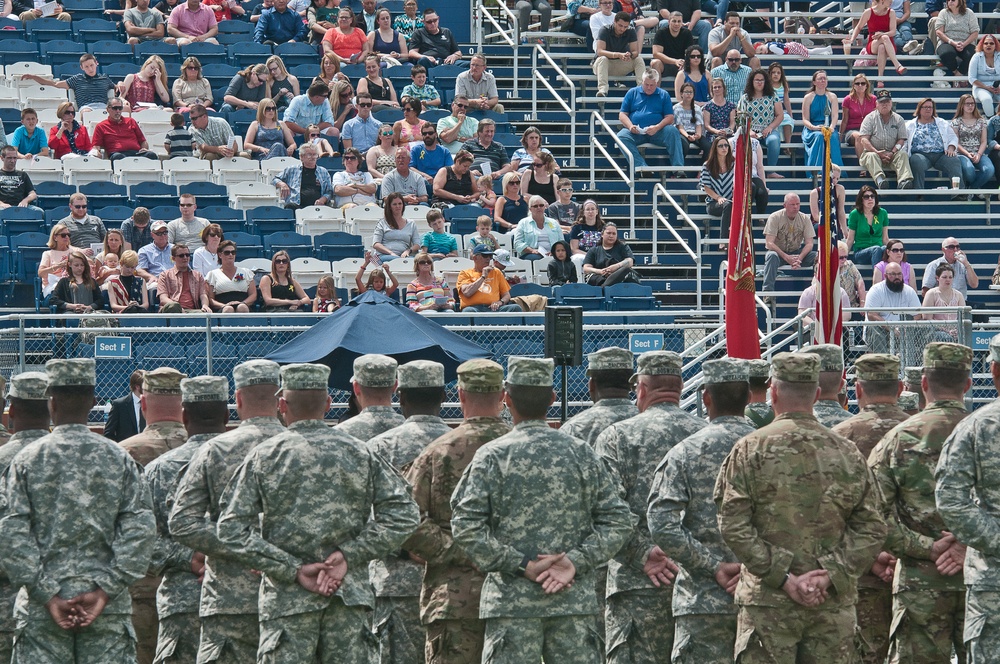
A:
828, 409
758, 412
161, 406
968, 482
396, 579
928, 608
449, 598
877, 384
374, 382
205, 413
537, 511
682, 521
29, 419
799, 508
310, 508
911, 389
228, 607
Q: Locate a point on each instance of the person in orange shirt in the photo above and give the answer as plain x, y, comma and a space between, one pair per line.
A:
484, 288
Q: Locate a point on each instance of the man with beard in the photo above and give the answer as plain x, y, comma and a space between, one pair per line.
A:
431, 157
884, 301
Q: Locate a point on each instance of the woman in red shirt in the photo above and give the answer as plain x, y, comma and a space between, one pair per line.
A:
69, 136
346, 41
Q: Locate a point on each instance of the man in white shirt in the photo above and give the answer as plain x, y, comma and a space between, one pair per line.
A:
187, 229
965, 275
883, 303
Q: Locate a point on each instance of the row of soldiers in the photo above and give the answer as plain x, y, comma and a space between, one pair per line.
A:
399, 539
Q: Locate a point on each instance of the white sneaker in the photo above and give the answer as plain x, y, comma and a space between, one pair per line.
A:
911, 46
825, 50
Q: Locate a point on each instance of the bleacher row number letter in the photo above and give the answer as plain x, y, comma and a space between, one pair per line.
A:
604, 211
509, 94
626, 235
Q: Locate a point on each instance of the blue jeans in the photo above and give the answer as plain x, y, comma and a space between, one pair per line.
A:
976, 176
869, 255
484, 309
773, 260
668, 137
772, 144
904, 33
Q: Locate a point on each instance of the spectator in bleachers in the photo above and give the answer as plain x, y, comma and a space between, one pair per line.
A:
485, 150
52, 266
729, 37
717, 182
789, 240
395, 236
305, 184
177, 141
618, 52
267, 137
895, 252
127, 292
437, 243
148, 86
957, 29
536, 233
719, 114
457, 128
690, 123
348, 42
932, 143
329, 71
385, 42
181, 289
366, 19
784, 94
89, 88
409, 21
167, 6
487, 197
531, 146
851, 280
154, 258
855, 107
454, 185
381, 157
420, 90
136, 230
433, 45
29, 10
427, 292
970, 127
882, 136
404, 180
867, 227
610, 262
279, 25
187, 229
984, 75
541, 178
28, 138
838, 203
430, 157
884, 301
353, 186
483, 287
565, 210
320, 17
807, 301
362, 131
246, 89
108, 262
225, 10
693, 72
881, 23
323, 146
965, 274
143, 23
765, 114
691, 19
284, 86
647, 116
585, 234
670, 44
311, 108
68, 137
326, 300
479, 86
733, 74
84, 229
511, 206
380, 280
77, 292
820, 108
378, 87
406, 131
904, 29
213, 137
483, 234
206, 257
561, 269
191, 87
231, 289
190, 23
944, 295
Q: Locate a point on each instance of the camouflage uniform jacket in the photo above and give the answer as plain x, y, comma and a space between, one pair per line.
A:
229, 587
303, 494
968, 493
76, 516
154, 440
4, 435
759, 414
830, 413
371, 422
451, 583
903, 463
795, 497
683, 518
398, 575
534, 491
865, 430
589, 424
180, 589
631, 450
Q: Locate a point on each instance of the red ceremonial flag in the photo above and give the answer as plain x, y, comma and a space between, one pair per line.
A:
829, 314
742, 334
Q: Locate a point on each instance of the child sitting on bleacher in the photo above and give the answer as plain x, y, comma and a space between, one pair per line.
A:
565, 210
483, 235
381, 279
561, 269
427, 95
437, 243
177, 141
326, 300
487, 197
28, 138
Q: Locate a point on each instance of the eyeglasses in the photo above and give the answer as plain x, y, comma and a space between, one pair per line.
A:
426, 263
387, 133
897, 250
364, 105
868, 196
513, 182
182, 255
116, 108
350, 157
428, 133
538, 205
537, 164
80, 207
409, 110
186, 205
229, 252
195, 117
566, 190
192, 67
695, 56
428, 21
843, 259
214, 234
70, 113
861, 84
952, 246
732, 59
62, 234
280, 261
457, 105
159, 232
313, 135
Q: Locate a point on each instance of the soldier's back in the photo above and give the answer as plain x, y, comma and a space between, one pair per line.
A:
154, 440
588, 424
371, 421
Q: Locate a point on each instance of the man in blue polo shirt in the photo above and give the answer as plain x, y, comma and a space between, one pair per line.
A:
431, 157
647, 116
279, 25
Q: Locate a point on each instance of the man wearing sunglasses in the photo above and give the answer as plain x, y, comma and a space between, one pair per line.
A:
431, 157
118, 137
181, 289
965, 274
361, 131
458, 127
16, 189
84, 229
433, 45
618, 50
187, 228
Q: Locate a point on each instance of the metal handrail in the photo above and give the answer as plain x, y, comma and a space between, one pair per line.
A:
512, 41
570, 107
695, 255
595, 119
768, 316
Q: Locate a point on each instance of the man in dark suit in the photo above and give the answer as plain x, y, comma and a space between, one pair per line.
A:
125, 419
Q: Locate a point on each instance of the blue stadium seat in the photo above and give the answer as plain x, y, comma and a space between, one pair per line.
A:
241, 120
217, 213
435, 114
161, 354
61, 51
152, 194
443, 78
167, 52
219, 74
295, 53
85, 10
102, 194
53, 216
334, 245
18, 50
48, 29
207, 193
53, 194
246, 53
11, 29
96, 30
629, 297
27, 248
248, 245
271, 219
234, 27
17, 220
109, 52
388, 115
113, 215
164, 212
304, 73
296, 244
205, 52
528, 288
353, 72
10, 117
67, 69
591, 298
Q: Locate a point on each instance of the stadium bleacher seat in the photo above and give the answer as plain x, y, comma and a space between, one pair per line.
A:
103, 193
112, 215
184, 170
248, 245
43, 30
235, 169
305, 72
245, 53
334, 245
207, 193
629, 297
17, 50
205, 52
133, 170
164, 212
52, 194
234, 32
269, 219
84, 10
100, 35
219, 74
152, 194
590, 298
294, 53
11, 29
169, 53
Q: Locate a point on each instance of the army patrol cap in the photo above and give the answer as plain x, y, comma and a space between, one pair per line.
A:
480, 376
759, 369
657, 363
995, 348
205, 388
30, 386
374, 370
79, 372
164, 380
609, 359
831, 357
908, 401
530, 371
796, 367
877, 366
305, 377
256, 372
941, 355
725, 370
420, 373
912, 375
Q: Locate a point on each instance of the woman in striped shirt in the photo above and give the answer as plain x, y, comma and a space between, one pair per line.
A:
717, 182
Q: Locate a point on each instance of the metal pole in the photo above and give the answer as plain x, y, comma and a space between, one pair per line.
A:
565, 395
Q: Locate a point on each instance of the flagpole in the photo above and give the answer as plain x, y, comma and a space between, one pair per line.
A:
742, 332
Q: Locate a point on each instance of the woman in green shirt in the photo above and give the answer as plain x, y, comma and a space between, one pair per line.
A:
867, 227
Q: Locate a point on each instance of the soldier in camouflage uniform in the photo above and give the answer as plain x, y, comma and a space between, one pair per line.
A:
374, 382
77, 529
909, 403
308, 503
968, 482
205, 413
638, 617
161, 406
29, 418
396, 579
449, 597
911, 389
799, 508
682, 521
828, 409
928, 608
538, 512
758, 412
228, 607
877, 384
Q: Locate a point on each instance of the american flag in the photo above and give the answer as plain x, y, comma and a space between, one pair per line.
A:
829, 316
